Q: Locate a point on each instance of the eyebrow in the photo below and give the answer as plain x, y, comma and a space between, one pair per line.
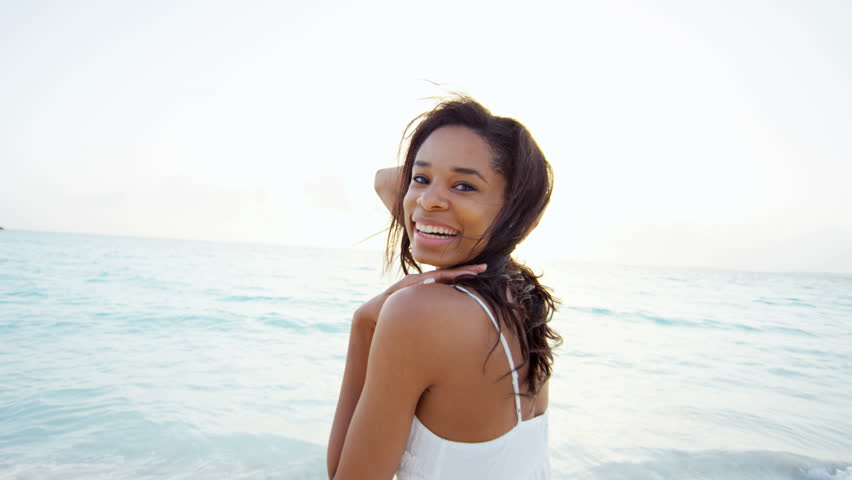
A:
468, 171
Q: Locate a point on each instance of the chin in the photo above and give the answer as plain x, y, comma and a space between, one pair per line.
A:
442, 256
439, 259
432, 260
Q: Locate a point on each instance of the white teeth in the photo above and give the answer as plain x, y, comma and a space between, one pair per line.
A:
435, 229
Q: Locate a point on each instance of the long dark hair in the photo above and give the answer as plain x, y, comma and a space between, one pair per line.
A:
510, 288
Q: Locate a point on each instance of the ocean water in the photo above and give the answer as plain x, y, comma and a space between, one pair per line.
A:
145, 358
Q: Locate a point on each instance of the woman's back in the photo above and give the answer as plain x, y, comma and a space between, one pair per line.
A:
467, 423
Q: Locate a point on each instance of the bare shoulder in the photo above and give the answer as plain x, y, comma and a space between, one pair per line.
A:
436, 312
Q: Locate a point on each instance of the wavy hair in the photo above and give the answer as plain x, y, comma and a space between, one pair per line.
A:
511, 289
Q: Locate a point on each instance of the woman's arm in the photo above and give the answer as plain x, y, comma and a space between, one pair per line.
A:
394, 380
412, 327
387, 186
360, 341
360, 338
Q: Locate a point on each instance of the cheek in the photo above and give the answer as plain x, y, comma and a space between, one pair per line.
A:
408, 204
485, 217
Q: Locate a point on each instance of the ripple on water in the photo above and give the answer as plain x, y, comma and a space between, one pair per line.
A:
721, 465
593, 310
257, 298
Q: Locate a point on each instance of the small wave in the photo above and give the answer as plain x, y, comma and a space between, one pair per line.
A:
784, 302
9, 277
815, 353
667, 321
101, 278
276, 320
747, 328
187, 457
727, 326
592, 310
723, 465
27, 294
784, 372
823, 473
256, 298
327, 327
296, 324
790, 331
715, 324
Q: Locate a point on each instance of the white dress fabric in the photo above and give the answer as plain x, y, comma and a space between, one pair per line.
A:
519, 454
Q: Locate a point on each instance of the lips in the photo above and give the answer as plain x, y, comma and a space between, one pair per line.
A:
435, 229
433, 233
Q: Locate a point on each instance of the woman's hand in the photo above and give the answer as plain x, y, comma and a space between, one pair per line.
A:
387, 185
367, 315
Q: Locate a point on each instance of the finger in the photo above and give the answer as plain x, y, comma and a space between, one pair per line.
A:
467, 270
445, 277
479, 267
449, 275
470, 269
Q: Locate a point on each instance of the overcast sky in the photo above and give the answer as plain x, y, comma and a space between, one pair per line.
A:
713, 134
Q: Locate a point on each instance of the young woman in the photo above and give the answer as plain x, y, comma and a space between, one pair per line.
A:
446, 373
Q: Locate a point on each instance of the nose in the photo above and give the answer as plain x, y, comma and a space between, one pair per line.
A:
432, 198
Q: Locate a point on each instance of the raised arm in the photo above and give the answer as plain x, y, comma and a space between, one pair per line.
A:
387, 186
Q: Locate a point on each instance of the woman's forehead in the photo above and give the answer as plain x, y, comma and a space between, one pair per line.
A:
456, 147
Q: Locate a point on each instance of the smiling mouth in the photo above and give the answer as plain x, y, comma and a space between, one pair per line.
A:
436, 232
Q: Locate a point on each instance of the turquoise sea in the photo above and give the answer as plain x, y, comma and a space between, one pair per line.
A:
142, 358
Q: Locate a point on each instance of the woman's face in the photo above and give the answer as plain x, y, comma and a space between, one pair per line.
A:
453, 197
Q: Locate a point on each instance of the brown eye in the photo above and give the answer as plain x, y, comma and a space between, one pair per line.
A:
465, 187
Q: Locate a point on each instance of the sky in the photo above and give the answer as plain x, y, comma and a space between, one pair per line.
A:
681, 133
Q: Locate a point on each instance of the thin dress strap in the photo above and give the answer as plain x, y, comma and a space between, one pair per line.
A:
505, 347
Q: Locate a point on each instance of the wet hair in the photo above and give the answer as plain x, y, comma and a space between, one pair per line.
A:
511, 289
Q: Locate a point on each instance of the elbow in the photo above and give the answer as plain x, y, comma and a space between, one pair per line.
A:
331, 464
377, 183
